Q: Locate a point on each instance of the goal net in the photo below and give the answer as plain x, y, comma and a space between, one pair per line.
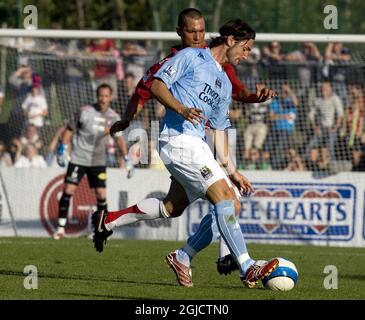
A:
301, 130
316, 124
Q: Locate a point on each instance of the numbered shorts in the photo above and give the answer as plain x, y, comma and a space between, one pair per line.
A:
96, 175
191, 163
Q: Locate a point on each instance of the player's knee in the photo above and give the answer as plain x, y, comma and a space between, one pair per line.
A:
177, 212
172, 210
101, 204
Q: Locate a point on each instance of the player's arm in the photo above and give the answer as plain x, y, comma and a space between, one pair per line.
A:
240, 93
160, 91
140, 96
67, 135
122, 145
62, 156
134, 106
220, 141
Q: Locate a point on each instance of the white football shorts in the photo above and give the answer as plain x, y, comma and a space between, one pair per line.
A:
191, 162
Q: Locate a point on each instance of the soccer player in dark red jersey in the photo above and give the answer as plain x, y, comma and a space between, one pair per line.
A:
191, 29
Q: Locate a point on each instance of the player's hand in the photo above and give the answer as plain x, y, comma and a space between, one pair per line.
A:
119, 126
243, 184
129, 165
193, 115
263, 94
62, 158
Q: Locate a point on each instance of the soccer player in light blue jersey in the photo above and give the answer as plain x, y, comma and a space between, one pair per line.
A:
195, 80
191, 29
194, 84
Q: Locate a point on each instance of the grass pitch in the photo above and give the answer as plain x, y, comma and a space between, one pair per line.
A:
131, 269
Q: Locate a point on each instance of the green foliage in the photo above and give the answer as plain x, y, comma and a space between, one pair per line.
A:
301, 16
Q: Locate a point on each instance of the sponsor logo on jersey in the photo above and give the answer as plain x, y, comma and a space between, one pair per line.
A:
292, 211
206, 173
102, 176
210, 97
218, 83
169, 71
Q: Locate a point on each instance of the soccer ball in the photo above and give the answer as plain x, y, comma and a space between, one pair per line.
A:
283, 278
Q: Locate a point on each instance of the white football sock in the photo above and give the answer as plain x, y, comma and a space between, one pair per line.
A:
223, 248
147, 209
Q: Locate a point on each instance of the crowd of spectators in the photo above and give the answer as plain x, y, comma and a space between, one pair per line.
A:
315, 122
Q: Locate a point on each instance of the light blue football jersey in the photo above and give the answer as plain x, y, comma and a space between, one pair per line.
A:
195, 79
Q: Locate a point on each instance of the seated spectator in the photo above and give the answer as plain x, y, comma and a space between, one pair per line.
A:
249, 69
273, 59
32, 137
35, 106
21, 82
5, 158
256, 129
134, 56
30, 158
336, 66
107, 55
335, 57
311, 162
358, 158
254, 161
22, 78
129, 82
283, 114
308, 59
51, 157
353, 124
294, 161
15, 149
325, 117
265, 160
324, 162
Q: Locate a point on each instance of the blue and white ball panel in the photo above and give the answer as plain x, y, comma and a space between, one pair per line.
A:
284, 278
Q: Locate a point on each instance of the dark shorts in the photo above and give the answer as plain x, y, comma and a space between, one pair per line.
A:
96, 175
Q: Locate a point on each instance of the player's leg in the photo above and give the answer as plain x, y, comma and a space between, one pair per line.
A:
221, 197
207, 233
73, 177
97, 180
195, 176
226, 263
250, 273
173, 205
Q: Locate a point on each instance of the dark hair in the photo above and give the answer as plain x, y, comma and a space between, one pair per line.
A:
188, 13
103, 86
239, 29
